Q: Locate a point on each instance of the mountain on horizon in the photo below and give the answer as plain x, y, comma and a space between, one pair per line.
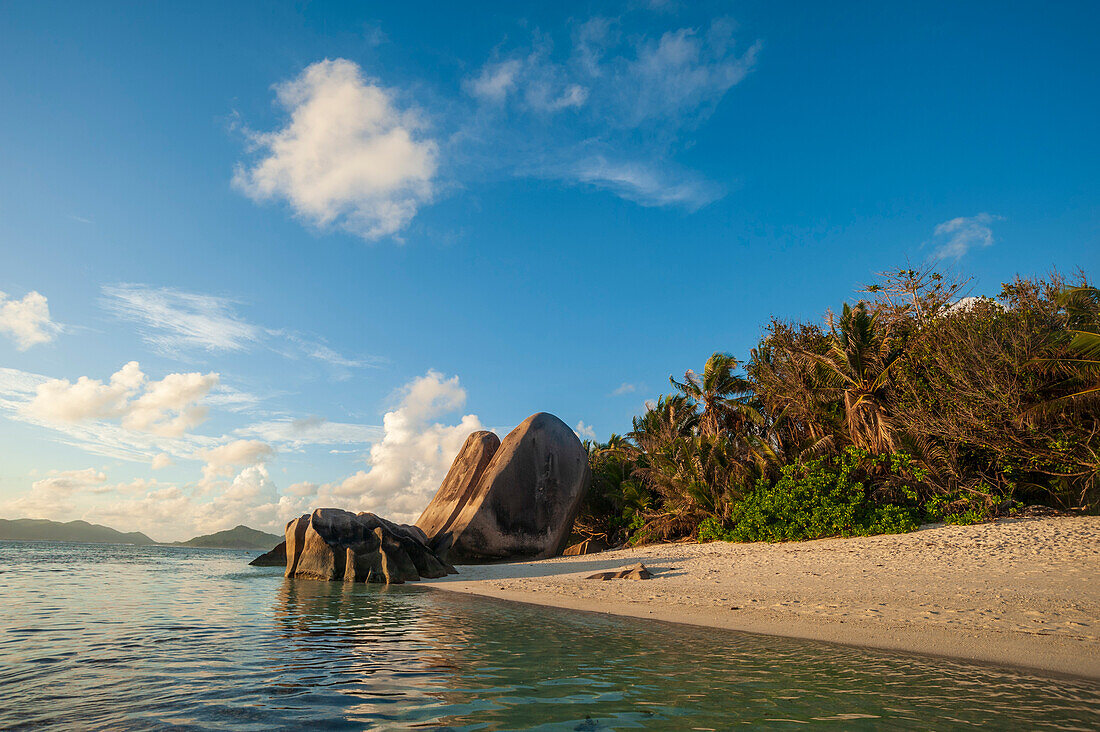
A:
239, 537
74, 531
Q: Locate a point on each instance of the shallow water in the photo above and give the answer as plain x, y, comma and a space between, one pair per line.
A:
95, 636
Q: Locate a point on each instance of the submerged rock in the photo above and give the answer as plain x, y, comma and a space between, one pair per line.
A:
637, 572
523, 503
274, 558
331, 544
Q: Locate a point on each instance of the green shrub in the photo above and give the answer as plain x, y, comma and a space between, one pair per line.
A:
821, 498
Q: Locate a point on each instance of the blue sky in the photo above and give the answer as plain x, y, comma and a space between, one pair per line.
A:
337, 237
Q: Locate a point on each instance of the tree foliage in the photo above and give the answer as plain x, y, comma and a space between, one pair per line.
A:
912, 405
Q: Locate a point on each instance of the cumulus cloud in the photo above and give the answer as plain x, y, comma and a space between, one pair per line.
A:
608, 107
98, 436
27, 321
221, 460
584, 431
169, 407
405, 468
53, 495
959, 235
170, 512
624, 388
348, 155
161, 461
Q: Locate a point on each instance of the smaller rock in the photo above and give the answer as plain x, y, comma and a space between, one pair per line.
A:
274, 558
588, 546
637, 572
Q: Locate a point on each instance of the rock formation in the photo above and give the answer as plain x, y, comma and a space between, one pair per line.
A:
459, 486
637, 572
521, 504
500, 500
331, 544
274, 558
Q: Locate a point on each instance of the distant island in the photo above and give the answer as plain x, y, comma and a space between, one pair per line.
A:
239, 537
77, 531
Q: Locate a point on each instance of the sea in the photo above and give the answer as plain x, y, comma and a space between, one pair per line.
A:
115, 637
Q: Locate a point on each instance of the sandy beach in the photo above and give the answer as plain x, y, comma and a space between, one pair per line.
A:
1021, 592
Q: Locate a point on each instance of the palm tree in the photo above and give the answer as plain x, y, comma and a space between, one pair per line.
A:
1080, 357
670, 417
857, 364
721, 393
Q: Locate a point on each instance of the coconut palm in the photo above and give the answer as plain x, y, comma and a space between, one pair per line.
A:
857, 365
720, 392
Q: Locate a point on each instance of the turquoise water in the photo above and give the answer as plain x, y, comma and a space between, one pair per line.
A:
127, 637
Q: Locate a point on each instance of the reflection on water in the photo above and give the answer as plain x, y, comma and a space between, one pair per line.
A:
155, 637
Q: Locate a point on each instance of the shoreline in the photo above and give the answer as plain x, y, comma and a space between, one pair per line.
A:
1016, 592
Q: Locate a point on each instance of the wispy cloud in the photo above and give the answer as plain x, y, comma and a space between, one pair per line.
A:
648, 185
299, 433
173, 321
608, 108
348, 155
958, 236
27, 320
624, 388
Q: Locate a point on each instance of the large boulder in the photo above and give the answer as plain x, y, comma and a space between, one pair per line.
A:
460, 485
331, 544
524, 502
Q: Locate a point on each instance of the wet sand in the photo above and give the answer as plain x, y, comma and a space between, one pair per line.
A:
1019, 592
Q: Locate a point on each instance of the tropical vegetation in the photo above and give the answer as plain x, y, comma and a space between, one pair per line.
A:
912, 405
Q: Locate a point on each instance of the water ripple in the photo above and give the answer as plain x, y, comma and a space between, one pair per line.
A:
186, 639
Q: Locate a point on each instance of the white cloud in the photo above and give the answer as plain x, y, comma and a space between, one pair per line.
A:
684, 73
169, 407
169, 512
584, 431
495, 81
172, 321
60, 400
221, 460
27, 321
348, 155
958, 236
646, 184
53, 494
298, 433
407, 466
624, 388
101, 436
404, 469
161, 460
609, 110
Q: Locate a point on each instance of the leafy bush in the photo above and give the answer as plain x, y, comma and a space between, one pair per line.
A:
825, 497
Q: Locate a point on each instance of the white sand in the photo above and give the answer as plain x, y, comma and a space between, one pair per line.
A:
1021, 592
